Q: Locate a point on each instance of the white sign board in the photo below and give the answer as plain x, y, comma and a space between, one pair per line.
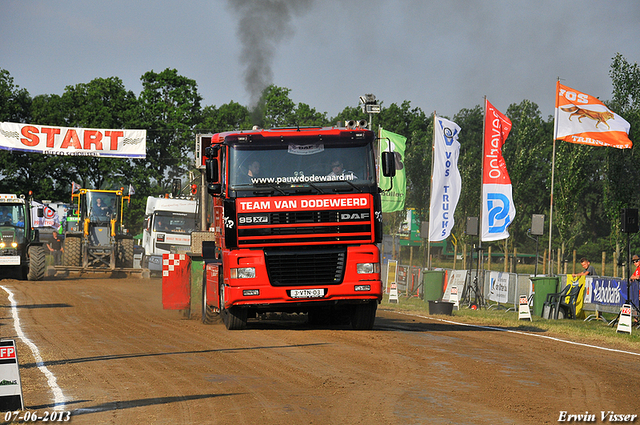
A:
624, 321
523, 311
10, 386
499, 287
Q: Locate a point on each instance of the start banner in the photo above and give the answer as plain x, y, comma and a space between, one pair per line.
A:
73, 141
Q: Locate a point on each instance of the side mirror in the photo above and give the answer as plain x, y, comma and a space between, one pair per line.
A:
388, 164
40, 212
212, 170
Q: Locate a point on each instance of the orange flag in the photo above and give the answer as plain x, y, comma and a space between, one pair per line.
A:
585, 120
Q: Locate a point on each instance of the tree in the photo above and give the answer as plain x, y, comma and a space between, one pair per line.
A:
170, 111
527, 154
230, 116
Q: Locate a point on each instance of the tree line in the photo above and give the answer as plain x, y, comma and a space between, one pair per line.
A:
592, 184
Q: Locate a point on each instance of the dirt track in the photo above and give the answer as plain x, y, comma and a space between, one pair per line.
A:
119, 358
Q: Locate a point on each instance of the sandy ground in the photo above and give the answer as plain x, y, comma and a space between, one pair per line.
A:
119, 358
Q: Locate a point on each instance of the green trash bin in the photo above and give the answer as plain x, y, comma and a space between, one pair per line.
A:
433, 285
543, 285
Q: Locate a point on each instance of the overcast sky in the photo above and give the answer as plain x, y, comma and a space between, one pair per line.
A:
440, 55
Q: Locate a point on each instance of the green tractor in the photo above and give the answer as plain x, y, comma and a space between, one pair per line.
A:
98, 241
21, 251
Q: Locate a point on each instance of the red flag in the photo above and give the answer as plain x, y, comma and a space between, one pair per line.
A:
498, 209
585, 120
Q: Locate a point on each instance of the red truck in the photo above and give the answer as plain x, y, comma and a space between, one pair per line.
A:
296, 216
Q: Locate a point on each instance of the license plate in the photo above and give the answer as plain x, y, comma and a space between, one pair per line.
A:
307, 293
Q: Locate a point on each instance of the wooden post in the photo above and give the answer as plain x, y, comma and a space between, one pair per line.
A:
489, 259
604, 258
455, 255
615, 273
464, 256
544, 262
506, 256
559, 260
515, 260
575, 253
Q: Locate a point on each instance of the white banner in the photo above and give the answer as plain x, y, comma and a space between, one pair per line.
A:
446, 181
73, 141
498, 211
456, 278
499, 287
50, 218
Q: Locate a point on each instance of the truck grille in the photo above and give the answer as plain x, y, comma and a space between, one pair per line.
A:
305, 267
305, 228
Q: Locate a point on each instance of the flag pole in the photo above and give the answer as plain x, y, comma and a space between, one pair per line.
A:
553, 169
433, 141
484, 123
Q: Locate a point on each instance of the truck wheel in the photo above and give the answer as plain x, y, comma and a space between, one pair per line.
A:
363, 316
37, 263
234, 318
207, 311
71, 256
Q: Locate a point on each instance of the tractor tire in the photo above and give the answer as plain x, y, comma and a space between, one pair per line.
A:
363, 316
126, 253
72, 252
37, 263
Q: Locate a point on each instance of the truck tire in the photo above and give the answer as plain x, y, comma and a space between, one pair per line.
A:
126, 253
207, 312
234, 318
363, 316
37, 263
71, 256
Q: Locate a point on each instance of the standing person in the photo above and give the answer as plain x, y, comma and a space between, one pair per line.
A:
56, 248
588, 268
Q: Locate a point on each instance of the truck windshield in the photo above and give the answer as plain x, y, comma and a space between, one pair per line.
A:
305, 164
175, 223
12, 223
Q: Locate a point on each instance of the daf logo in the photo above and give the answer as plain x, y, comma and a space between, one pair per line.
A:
354, 216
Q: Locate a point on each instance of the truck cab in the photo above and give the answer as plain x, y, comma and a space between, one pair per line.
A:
167, 229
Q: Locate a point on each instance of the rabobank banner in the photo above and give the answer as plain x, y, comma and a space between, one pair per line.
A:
498, 209
445, 181
610, 291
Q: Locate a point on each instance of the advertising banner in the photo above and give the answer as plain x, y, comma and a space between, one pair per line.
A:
446, 182
498, 209
585, 120
393, 200
610, 292
73, 141
499, 287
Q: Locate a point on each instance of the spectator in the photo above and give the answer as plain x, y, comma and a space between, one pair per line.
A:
588, 268
56, 249
636, 262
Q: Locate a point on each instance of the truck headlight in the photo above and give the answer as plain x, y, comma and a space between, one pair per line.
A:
243, 273
368, 268
14, 244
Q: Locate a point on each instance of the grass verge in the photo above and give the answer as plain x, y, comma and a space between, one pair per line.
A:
595, 332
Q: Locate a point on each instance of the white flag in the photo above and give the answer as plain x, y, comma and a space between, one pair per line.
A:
445, 181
